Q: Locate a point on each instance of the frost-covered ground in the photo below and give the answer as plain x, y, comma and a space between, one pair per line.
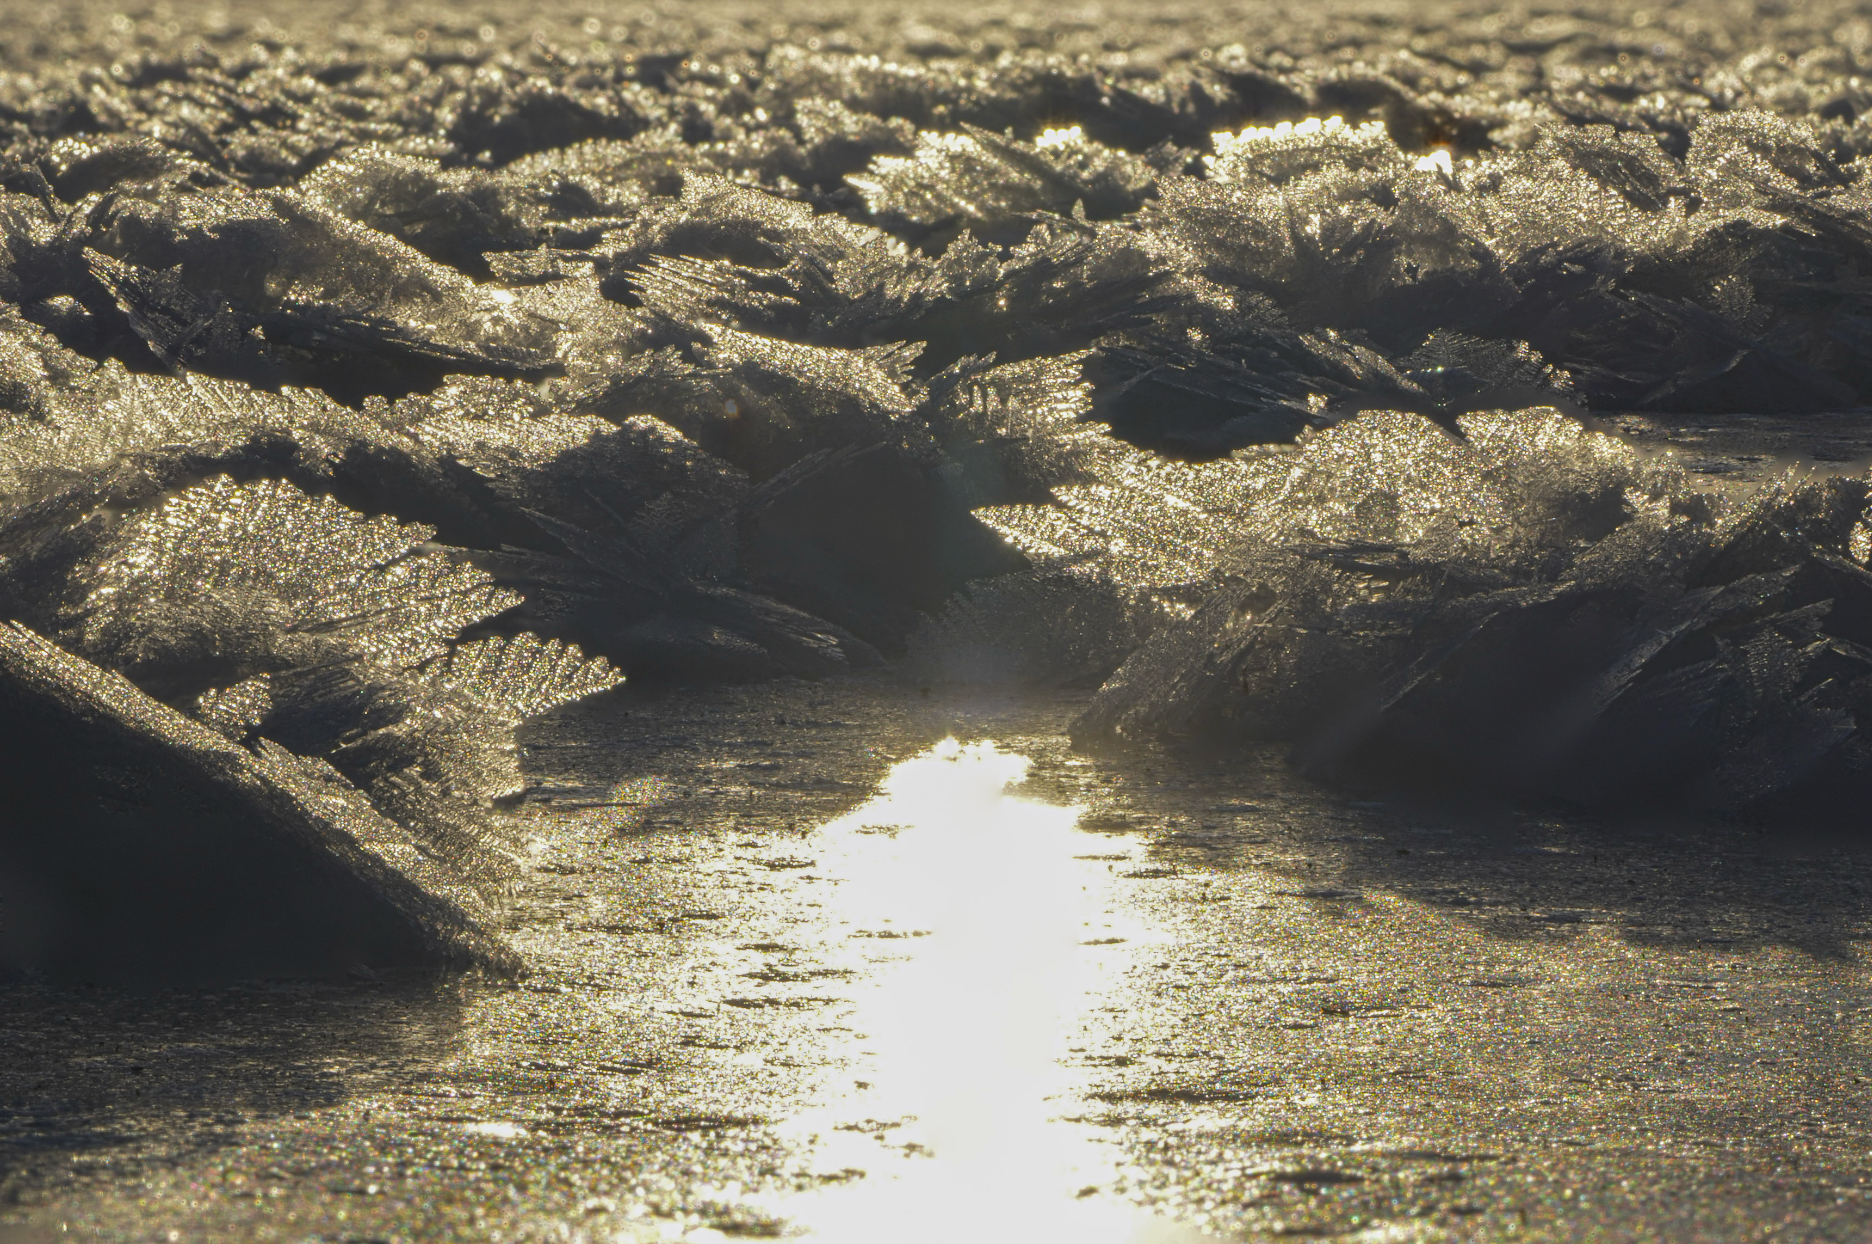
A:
1460, 407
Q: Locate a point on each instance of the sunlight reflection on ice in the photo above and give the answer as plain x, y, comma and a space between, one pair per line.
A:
977, 898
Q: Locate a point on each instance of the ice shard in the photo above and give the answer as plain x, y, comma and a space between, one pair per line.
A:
355, 405
1533, 610
139, 846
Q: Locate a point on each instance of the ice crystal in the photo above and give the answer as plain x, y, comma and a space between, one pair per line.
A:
1534, 608
219, 862
521, 676
1148, 523
348, 379
256, 283
1017, 429
285, 570
1275, 154
981, 177
281, 616
454, 216
1051, 625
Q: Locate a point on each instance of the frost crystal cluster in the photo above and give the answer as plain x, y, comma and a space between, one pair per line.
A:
368, 388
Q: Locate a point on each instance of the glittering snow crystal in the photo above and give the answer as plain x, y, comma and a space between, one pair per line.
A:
1533, 609
984, 178
182, 856
327, 642
355, 385
1278, 153
287, 570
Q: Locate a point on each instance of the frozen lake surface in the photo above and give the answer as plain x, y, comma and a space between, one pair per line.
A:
1375, 1021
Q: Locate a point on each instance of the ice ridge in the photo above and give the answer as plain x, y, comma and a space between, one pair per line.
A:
365, 390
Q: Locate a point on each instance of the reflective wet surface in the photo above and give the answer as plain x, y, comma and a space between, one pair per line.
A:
805, 968
980, 991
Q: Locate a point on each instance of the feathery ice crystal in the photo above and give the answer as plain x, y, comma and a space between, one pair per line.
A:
350, 398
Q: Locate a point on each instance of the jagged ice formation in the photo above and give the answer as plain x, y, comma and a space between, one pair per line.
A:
368, 387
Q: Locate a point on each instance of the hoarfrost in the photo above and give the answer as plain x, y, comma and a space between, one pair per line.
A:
350, 397
1534, 609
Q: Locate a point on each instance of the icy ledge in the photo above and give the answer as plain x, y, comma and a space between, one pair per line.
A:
1529, 609
139, 845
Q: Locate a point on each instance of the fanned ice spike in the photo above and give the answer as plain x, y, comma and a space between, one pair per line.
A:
308, 569
1511, 610
201, 861
522, 675
1018, 429
1148, 523
984, 178
358, 401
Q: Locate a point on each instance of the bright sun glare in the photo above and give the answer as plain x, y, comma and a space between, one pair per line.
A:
992, 932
